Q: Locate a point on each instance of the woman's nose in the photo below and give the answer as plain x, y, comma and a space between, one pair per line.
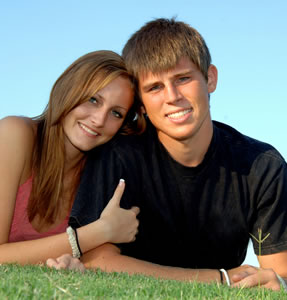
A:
99, 118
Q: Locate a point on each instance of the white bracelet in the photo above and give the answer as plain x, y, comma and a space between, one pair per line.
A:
226, 276
73, 242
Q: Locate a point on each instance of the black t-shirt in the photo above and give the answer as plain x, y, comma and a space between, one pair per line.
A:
195, 217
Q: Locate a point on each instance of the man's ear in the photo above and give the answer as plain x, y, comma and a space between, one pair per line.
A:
212, 78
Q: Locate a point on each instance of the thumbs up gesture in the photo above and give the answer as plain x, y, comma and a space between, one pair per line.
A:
121, 224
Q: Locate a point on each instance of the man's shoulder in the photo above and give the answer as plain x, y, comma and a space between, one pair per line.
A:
242, 144
130, 143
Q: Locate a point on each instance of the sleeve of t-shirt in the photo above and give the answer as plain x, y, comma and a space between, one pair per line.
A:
105, 166
271, 209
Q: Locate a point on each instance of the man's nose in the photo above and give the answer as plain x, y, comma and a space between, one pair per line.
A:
172, 94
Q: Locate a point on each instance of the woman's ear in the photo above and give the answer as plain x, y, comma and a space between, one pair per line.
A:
212, 78
143, 109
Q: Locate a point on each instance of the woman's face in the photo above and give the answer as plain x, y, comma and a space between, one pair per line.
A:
96, 121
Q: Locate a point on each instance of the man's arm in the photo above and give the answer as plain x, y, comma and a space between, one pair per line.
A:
277, 262
108, 258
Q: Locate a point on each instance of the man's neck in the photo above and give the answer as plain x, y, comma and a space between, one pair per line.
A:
189, 152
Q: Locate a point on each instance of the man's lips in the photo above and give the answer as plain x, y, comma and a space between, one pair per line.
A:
88, 130
179, 114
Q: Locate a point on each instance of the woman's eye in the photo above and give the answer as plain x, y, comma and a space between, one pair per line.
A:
117, 114
94, 100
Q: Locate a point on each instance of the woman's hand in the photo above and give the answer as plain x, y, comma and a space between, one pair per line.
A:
66, 262
122, 224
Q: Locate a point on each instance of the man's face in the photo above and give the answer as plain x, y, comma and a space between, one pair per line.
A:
177, 101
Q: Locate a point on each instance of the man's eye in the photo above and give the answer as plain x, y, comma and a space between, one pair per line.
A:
183, 79
94, 100
154, 88
117, 114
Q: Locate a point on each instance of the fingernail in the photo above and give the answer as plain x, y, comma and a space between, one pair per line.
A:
122, 180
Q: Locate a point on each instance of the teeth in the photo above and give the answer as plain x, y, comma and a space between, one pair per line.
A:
88, 129
179, 114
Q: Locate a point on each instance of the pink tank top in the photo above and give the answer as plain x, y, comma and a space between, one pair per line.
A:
21, 228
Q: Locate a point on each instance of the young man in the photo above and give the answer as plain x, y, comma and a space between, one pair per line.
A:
203, 187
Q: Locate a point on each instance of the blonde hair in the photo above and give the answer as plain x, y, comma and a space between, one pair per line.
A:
79, 82
160, 44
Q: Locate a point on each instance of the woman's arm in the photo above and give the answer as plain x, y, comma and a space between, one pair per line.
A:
38, 251
16, 145
115, 225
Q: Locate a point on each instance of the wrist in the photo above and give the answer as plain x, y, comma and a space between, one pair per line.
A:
93, 235
106, 229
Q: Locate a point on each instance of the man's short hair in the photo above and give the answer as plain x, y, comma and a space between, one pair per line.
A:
160, 44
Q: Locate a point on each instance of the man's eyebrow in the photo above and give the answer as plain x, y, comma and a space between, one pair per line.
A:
183, 73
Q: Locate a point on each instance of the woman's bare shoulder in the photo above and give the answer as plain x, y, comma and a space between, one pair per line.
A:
21, 128
17, 139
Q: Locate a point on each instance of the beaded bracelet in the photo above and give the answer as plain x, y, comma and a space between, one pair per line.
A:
73, 242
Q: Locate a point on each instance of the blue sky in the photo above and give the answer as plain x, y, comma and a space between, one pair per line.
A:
247, 40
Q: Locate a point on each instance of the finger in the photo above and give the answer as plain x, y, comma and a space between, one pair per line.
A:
257, 277
64, 258
64, 261
62, 265
135, 209
239, 276
51, 262
74, 263
116, 199
77, 265
248, 270
249, 281
82, 268
243, 274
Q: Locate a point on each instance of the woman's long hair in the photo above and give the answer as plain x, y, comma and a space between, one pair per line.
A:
79, 82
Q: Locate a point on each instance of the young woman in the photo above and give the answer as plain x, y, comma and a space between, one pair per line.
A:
41, 160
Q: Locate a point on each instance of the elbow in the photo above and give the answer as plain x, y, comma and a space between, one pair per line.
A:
103, 257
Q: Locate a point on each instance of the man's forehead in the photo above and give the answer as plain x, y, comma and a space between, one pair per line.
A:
184, 65
149, 76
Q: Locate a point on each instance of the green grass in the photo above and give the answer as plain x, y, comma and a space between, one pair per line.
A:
34, 282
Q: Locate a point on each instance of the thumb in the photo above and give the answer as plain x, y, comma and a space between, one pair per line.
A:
116, 199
